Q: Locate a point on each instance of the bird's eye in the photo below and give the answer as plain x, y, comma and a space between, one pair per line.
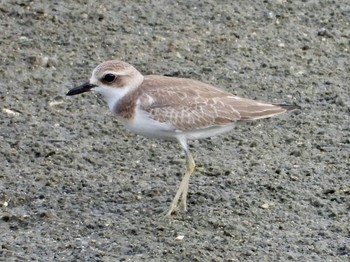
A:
109, 78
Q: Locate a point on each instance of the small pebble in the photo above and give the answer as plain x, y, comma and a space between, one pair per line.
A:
180, 237
265, 206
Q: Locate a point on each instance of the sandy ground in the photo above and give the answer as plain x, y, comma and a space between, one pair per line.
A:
75, 186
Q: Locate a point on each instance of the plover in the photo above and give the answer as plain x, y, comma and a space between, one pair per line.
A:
172, 108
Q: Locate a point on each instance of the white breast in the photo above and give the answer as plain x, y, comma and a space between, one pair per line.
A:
143, 125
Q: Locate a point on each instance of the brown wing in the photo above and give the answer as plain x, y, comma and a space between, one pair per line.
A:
189, 104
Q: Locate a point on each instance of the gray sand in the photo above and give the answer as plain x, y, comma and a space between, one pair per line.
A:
75, 186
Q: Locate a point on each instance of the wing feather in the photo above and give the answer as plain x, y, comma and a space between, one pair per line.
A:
188, 104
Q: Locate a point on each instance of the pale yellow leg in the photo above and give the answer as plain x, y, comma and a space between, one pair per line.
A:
183, 188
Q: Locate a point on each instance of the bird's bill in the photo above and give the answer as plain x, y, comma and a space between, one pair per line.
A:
80, 89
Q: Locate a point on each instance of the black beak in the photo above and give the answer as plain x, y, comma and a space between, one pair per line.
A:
80, 89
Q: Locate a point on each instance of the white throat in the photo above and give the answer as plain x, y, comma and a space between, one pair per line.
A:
111, 95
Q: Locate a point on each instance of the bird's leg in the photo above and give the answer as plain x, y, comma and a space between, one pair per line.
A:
190, 165
183, 188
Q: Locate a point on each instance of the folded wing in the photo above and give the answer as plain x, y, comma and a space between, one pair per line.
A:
195, 105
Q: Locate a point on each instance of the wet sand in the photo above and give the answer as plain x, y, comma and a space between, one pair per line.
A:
75, 186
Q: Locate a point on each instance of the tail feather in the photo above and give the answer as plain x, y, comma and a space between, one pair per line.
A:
287, 107
260, 110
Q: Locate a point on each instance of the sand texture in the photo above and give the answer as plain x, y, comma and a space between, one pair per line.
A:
76, 186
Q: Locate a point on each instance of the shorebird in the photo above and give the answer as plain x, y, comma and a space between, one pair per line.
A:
172, 108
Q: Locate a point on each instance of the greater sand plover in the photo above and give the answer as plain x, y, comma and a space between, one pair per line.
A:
172, 108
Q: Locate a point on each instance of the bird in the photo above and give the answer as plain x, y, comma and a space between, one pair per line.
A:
172, 108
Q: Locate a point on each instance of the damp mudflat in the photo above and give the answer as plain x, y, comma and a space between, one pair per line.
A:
75, 186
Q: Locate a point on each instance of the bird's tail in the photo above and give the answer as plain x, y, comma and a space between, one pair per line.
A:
287, 107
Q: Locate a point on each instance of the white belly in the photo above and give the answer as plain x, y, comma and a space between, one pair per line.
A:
143, 125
